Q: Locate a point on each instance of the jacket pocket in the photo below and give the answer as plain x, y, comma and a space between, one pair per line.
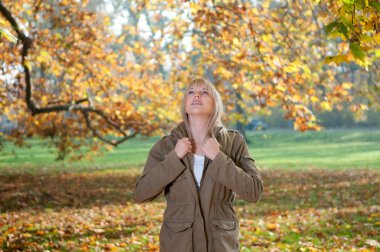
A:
179, 226
224, 225
176, 236
225, 235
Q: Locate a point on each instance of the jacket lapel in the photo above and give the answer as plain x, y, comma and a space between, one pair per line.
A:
208, 186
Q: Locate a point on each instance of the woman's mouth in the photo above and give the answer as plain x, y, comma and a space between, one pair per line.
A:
196, 103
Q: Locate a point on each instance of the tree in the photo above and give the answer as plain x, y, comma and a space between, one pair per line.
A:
79, 81
69, 86
272, 54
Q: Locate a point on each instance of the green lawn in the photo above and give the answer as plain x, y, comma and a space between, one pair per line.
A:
274, 149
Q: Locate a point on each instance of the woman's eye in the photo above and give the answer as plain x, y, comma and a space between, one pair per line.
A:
205, 92
191, 92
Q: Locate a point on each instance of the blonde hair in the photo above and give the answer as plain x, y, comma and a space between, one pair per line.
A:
215, 119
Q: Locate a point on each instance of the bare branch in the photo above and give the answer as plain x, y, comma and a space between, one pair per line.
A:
315, 20
96, 134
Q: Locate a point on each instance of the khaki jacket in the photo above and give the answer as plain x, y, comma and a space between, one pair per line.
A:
204, 219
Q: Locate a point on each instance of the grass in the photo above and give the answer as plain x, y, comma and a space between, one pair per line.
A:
283, 149
321, 193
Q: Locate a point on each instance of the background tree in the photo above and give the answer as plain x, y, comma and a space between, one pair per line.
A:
278, 49
69, 84
74, 78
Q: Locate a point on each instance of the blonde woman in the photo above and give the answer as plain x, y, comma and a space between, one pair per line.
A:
200, 167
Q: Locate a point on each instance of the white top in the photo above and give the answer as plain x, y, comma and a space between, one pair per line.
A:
199, 162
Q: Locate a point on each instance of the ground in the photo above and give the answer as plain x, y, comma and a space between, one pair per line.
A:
321, 193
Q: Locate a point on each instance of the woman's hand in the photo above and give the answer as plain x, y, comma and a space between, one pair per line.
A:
182, 147
211, 148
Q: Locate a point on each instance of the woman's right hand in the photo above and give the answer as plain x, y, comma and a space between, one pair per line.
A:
182, 147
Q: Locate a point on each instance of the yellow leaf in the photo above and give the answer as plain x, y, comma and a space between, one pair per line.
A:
225, 73
8, 35
266, 38
314, 99
326, 106
44, 53
247, 85
366, 39
347, 85
363, 107
28, 65
281, 87
337, 59
27, 235
6, 110
236, 42
377, 53
271, 226
306, 69
377, 38
194, 6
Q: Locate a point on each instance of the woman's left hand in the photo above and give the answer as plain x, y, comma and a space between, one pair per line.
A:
211, 148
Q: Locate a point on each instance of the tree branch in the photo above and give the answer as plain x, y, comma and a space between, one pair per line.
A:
71, 106
96, 134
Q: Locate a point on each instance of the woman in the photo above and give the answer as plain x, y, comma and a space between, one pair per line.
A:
200, 166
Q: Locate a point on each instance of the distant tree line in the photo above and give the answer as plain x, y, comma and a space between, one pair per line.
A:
328, 119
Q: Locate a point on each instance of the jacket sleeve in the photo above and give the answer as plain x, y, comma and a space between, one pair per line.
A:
159, 171
243, 178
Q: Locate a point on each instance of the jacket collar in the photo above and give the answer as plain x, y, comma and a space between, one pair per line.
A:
180, 131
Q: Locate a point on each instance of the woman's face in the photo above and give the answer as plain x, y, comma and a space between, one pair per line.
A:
199, 101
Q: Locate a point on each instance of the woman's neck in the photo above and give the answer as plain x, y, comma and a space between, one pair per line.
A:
198, 126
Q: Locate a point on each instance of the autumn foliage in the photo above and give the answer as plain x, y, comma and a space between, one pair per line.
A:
72, 79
